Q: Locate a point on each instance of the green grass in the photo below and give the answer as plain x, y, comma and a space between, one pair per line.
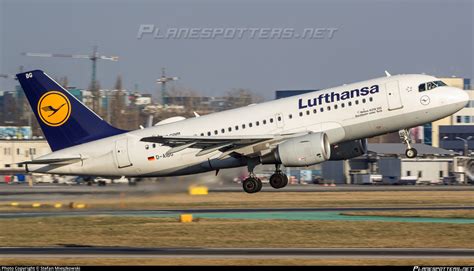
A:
417, 213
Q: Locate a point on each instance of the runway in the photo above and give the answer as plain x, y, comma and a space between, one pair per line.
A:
38, 192
134, 252
166, 186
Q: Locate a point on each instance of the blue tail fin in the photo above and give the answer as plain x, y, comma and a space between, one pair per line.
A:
65, 121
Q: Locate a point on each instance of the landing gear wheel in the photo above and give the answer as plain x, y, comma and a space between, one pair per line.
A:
411, 153
278, 180
252, 185
405, 137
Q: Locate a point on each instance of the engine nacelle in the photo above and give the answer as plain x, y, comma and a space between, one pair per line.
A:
300, 151
348, 150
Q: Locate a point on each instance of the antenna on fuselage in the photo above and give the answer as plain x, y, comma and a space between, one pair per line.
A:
387, 73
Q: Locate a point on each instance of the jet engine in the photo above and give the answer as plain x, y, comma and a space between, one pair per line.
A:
349, 149
300, 151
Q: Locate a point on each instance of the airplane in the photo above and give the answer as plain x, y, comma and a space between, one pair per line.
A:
303, 130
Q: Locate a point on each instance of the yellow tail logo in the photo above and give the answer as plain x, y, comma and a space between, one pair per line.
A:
54, 108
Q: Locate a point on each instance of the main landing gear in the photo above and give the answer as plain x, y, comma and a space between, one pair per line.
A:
253, 184
278, 179
405, 137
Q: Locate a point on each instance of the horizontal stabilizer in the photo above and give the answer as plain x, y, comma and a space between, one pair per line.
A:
55, 161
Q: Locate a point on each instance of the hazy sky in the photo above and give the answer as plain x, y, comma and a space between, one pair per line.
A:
433, 37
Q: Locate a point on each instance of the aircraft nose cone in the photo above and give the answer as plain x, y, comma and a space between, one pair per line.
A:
458, 97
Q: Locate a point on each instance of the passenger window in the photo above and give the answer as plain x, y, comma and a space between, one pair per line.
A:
202, 134
301, 114
153, 145
342, 105
222, 130
257, 123
363, 100
147, 147
230, 129
371, 99
307, 112
209, 133
349, 103
335, 106
243, 126
315, 111
356, 101
271, 120
290, 116
215, 132
264, 122
321, 109
236, 127
250, 125
279, 118
329, 108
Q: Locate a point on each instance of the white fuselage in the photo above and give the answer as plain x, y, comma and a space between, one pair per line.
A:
396, 104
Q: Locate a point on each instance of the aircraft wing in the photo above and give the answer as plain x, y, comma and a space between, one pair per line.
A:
55, 161
243, 145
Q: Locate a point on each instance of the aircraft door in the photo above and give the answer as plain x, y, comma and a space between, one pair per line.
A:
121, 152
394, 99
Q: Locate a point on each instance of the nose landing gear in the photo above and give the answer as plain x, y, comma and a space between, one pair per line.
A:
405, 137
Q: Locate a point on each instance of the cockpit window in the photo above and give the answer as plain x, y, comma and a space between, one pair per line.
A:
422, 88
430, 85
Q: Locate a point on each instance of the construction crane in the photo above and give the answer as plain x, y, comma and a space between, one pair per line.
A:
94, 57
163, 80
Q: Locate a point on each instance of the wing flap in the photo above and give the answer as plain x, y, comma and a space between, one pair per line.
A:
206, 144
243, 145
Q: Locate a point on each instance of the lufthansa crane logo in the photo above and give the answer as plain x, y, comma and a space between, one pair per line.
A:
54, 108
425, 100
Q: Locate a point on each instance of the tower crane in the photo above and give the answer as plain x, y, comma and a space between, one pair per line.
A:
93, 57
163, 80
